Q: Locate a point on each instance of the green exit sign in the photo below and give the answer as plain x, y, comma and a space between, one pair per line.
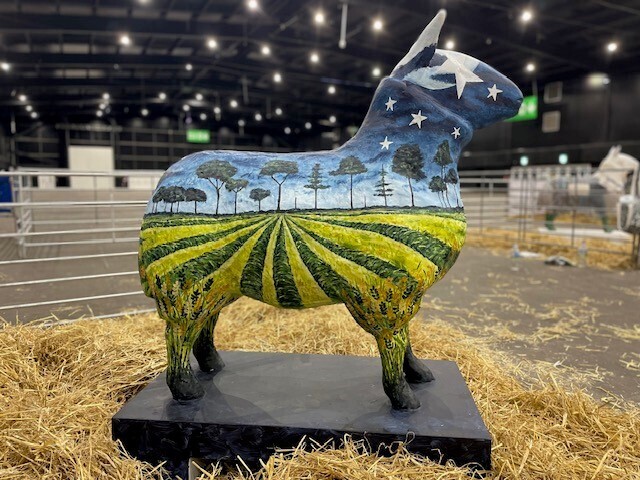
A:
528, 110
198, 136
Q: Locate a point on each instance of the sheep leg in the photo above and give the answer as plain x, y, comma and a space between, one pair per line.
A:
392, 347
204, 348
180, 337
414, 369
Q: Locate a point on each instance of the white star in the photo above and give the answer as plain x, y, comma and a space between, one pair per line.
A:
493, 92
385, 144
462, 68
456, 132
418, 118
390, 103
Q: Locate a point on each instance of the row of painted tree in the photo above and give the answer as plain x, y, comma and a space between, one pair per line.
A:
408, 161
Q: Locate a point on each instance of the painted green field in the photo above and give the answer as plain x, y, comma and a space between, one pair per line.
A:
299, 259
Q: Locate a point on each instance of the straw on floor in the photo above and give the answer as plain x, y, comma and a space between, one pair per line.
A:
60, 386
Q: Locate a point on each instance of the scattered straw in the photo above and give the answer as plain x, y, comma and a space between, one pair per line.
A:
60, 386
602, 253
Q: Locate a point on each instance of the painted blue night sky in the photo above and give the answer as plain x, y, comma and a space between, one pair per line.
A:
436, 96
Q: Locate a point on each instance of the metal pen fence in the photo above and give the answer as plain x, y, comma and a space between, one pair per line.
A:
71, 252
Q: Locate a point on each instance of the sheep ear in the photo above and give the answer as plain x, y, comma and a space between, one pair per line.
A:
422, 51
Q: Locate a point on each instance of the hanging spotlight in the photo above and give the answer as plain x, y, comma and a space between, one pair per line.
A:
278, 111
377, 24
331, 89
203, 116
314, 57
287, 130
144, 112
241, 123
258, 117
277, 77
332, 119
34, 115
212, 43
450, 45
5, 66
162, 96
530, 67
199, 97
22, 98
186, 107
319, 17
28, 108
188, 67
265, 50
217, 110
102, 106
99, 113
253, 4
527, 16
307, 125
612, 47
233, 103
125, 40
376, 72
106, 96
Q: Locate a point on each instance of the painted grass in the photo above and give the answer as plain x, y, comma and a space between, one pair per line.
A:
310, 292
374, 251
251, 279
174, 260
447, 230
268, 286
152, 237
286, 290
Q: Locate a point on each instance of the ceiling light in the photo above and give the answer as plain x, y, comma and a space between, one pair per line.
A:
162, 96
258, 117
102, 106
612, 47
524, 160
188, 67
233, 103
22, 98
530, 67
34, 115
376, 72
331, 89
450, 45
144, 112
5, 66
186, 107
28, 108
527, 16
277, 77
287, 130
199, 97
377, 24
212, 43
125, 40
563, 159
332, 119
278, 111
319, 17
106, 96
99, 113
241, 123
266, 50
217, 110
253, 4
203, 116
314, 57
307, 125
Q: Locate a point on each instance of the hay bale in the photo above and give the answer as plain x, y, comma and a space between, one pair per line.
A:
60, 386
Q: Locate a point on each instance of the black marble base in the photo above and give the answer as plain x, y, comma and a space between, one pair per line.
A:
265, 400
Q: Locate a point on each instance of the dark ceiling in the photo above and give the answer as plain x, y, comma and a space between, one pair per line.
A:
64, 54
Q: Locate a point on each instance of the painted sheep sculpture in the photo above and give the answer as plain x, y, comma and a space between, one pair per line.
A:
372, 224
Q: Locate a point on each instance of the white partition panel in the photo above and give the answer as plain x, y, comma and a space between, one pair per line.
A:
91, 159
